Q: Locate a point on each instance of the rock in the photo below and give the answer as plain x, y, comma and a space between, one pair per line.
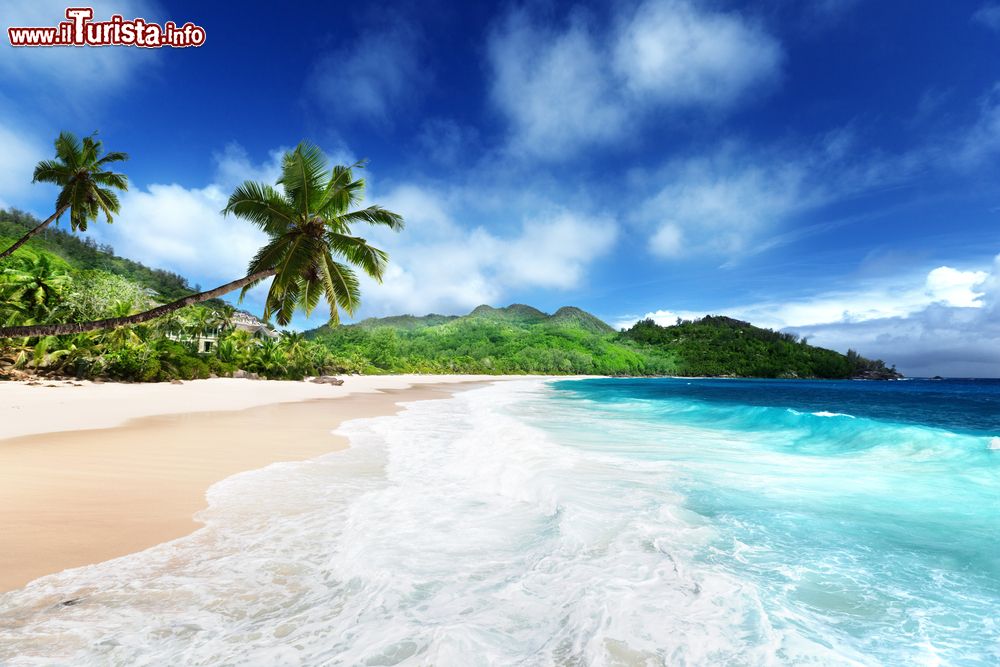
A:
176, 382
327, 379
245, 375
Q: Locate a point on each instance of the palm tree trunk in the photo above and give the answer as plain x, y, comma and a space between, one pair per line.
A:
27, 237
139, 318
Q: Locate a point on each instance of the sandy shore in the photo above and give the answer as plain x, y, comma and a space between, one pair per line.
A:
93, 472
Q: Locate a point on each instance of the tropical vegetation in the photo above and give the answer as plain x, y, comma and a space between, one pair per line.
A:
307, 217
522, 339
81, 169
69, 306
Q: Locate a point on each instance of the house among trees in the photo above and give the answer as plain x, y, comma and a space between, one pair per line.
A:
208, 337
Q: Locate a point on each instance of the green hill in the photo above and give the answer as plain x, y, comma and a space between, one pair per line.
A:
82, 253
89, 282
723, 346
522, 339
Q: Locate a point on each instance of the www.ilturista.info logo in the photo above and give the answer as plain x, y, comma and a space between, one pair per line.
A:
81, 30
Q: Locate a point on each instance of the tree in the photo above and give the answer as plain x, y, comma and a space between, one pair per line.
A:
81, 170
308, 220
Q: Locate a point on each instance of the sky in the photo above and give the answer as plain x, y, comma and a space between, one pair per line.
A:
827, 167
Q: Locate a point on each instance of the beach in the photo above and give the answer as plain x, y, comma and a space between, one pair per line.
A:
90, 472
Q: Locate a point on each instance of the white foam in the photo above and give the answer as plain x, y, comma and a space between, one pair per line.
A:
452, 534
824, 413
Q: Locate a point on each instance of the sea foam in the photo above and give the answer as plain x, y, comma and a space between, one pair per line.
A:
519, 525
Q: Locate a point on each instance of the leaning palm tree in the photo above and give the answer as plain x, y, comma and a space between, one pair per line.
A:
308, 219
87, 186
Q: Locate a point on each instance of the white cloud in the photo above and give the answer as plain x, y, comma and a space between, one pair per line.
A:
565, 88
722, 202
441, 263
954, 332
74, 68
233, 166
664, 318
371, 78
183, 229
553, 87
680, 54
944, 321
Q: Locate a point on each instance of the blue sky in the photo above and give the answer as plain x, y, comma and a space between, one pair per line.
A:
826, 167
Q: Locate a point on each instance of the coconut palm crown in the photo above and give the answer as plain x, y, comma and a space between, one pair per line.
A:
308, 218
81, 169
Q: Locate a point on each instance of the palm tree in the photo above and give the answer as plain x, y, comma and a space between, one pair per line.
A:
308, 220
87, 185
225, 317
200, 322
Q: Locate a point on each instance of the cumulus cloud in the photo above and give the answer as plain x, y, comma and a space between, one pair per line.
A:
372, 77
443, 262
563, 88
720, 203
171, 226
943, 322
680, 54
553, 86
74, 69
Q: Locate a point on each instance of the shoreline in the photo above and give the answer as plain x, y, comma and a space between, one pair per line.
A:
114, 473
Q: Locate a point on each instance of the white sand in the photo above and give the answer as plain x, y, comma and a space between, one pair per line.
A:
61, 406
79, 485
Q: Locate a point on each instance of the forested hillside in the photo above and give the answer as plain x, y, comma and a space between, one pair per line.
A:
522, 339
58, 277
83, 253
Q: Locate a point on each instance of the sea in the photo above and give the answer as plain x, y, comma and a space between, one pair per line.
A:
578, 522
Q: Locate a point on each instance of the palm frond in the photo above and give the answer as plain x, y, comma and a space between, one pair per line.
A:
342, 289
51, 171
262, 205
110, 179
68, 149
302, 172
374, 215
357, 251
112, 156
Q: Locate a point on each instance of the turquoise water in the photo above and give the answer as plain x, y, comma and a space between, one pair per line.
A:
599, 522
867, 514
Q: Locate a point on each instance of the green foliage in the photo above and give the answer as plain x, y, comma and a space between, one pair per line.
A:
516, 339
81, 169
722, 346
83, 253
311, 249
521, 339
37, 286
95, 294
